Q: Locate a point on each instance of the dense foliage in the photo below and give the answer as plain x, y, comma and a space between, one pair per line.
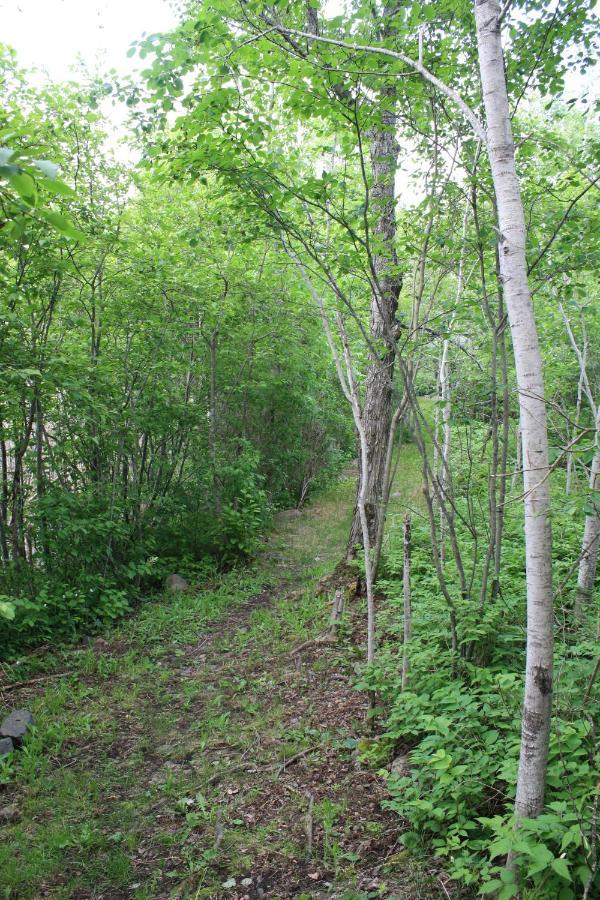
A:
165, 383
167, 335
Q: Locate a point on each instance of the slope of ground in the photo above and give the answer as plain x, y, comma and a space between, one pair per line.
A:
190, 754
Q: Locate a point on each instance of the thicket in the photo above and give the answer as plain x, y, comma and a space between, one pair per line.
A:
173, 384
165, 382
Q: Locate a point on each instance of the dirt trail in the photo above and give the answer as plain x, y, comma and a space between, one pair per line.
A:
190, 754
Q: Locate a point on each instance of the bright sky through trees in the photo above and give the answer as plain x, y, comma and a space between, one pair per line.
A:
53, 34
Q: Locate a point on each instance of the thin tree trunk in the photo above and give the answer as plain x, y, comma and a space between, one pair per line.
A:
500, 506
387, 480
407, 602
3, 496
350, 390
586, 576
444, 391
528, 364
212, 420
574, 433
377, 407
591, 533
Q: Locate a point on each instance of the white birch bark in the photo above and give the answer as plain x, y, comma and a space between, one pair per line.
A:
528, 364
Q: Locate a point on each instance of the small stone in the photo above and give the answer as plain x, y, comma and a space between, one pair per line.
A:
9, 813
16, 725
400, 767
6, 747
175, 583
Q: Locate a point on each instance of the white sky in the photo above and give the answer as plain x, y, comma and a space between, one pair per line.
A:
50, 34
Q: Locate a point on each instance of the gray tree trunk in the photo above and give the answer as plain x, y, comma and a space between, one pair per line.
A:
377, 408
407, 629
586, 576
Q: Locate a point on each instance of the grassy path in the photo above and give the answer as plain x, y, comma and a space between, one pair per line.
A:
191, 755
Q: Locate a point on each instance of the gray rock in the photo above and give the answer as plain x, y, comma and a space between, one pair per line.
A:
175, 583
400, 767
6, 747
9, 813
16, 725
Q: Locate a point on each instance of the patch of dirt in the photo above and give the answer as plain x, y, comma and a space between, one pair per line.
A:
308, 816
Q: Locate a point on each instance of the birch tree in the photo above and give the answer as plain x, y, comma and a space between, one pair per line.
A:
498, 140
534, 430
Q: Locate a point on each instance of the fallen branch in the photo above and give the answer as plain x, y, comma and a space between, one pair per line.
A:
281, 767
326, 637
20, 684
293, 759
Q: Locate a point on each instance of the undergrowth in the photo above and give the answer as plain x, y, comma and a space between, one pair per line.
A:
458, 727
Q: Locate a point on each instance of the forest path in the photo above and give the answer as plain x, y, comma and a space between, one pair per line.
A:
191, 754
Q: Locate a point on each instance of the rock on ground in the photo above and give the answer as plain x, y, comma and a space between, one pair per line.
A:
6, 747
16, 725
175, 583
9, 813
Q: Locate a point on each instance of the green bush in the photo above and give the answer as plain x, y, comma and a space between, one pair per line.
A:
459, 722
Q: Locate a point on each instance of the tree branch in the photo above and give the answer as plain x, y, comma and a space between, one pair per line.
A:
449, 92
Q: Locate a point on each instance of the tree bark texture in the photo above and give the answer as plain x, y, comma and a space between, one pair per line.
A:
377, 408
528, 364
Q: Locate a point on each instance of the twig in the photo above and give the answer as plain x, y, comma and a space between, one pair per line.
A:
19, 684
503, 11
219, 831
239, 768
293, 759
591, 681
443, 887
281, 767
308, 826
326, 637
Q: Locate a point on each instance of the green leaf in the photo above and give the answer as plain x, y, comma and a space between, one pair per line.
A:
561, 867
490, 887
24, 185
7, 610
541, 858
46, 167
63, 225
500, 848
6, 155
55, 186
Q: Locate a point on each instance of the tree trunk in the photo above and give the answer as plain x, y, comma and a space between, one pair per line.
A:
213, 422
591, 535
3, 496
528, 364
407, 603
444, 390
377, 409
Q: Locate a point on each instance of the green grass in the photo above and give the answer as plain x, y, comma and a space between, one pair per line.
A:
131, 771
